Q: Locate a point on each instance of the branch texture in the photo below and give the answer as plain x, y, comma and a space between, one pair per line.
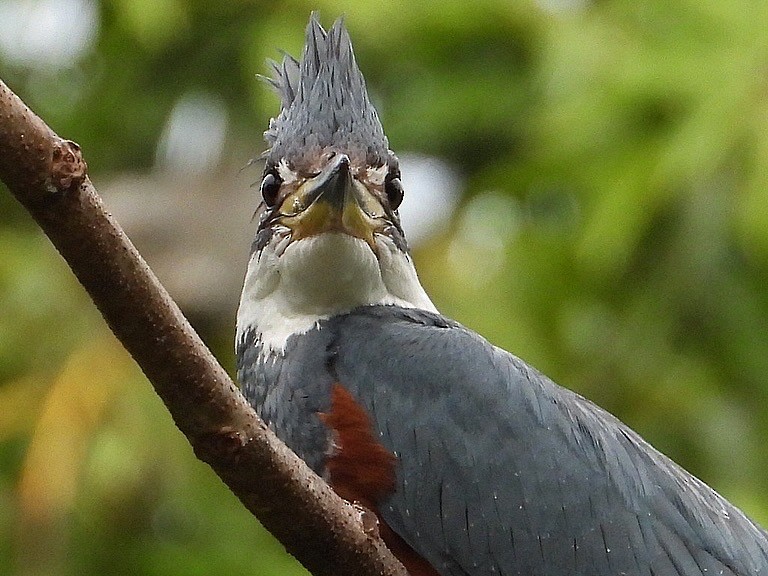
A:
48, 176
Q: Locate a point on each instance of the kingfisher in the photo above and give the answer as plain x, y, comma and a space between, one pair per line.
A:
472, 461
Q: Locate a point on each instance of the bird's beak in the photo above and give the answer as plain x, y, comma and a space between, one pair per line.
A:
333, 201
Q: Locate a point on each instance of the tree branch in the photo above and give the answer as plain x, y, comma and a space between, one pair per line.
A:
48, 176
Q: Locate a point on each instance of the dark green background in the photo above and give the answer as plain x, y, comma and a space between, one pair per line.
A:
613, 231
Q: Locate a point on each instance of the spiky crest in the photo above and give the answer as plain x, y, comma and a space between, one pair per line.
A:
324, 103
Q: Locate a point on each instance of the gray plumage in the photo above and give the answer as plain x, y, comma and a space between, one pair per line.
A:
500, 471
324, 103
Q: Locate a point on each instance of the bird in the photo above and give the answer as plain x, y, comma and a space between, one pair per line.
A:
472, 461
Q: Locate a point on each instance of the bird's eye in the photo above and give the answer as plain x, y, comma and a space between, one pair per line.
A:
270, 187
394, 189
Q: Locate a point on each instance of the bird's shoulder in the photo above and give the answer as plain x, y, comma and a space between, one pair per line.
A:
557, 472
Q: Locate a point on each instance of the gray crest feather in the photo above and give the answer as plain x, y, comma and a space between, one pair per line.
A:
324, 102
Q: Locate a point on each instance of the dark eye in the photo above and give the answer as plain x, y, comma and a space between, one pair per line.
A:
394, 189
270, 187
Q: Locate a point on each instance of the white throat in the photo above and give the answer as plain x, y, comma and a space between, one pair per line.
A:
319, 277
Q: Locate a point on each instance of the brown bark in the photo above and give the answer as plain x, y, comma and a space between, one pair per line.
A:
48, 176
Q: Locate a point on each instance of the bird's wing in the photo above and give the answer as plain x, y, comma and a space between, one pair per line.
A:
501, 471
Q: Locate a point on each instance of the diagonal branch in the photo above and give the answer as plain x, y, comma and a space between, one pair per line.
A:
48, 176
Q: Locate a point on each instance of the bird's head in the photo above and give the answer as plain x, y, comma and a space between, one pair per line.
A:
329, 236
329, 168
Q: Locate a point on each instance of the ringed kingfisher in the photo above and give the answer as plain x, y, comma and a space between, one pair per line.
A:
473, 462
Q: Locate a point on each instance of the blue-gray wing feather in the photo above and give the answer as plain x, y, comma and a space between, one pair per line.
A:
503, 472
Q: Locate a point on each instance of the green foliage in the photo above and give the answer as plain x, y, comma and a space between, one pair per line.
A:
614, 232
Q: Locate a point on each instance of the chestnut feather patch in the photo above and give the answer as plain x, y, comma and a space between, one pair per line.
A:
362, 471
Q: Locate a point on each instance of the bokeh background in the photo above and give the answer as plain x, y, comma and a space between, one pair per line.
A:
587, 186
